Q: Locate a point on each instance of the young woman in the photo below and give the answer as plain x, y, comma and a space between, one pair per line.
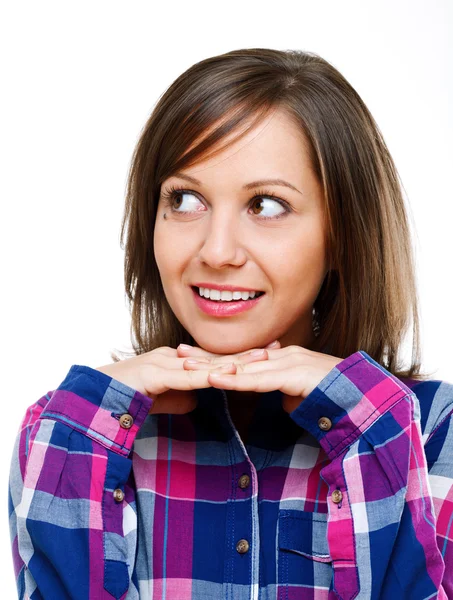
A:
263, 206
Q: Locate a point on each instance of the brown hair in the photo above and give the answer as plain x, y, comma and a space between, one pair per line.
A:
369, 293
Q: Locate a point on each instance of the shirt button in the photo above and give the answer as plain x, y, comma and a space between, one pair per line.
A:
242, 546
244, 481
324, 423
126, 421
336, 496
118, 494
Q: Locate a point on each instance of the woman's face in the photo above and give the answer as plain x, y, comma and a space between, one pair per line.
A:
224, 239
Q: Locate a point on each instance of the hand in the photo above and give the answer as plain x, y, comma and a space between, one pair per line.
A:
293, 370
160, 375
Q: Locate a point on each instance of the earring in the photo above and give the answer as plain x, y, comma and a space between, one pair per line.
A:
315, 323
165, 216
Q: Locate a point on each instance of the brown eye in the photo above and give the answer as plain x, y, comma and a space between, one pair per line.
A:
263, 202
174, 199
255, 203
177, 195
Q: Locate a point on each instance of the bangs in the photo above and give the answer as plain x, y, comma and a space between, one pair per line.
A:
207, 133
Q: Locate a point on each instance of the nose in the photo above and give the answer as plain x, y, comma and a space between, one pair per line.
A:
222, 244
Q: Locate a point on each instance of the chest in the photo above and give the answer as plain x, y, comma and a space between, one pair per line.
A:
227, 521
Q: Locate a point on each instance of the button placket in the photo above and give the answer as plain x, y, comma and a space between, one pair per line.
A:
244, 481
342, 548
118, 495
337, 496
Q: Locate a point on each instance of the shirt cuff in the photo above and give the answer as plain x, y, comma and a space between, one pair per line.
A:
100, 407
350, 398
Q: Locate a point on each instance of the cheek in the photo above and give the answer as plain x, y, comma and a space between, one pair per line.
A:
164, 246
171, 252
162, 253
299, 263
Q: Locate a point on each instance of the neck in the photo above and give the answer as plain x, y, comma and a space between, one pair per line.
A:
242, 405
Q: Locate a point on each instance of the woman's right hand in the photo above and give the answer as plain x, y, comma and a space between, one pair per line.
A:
160, 374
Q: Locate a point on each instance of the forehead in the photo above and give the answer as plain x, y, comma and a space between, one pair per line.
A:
274, 147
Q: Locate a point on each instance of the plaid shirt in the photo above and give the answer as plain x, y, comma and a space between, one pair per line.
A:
349, 496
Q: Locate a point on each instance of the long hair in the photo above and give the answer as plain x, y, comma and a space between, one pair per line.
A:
368, 299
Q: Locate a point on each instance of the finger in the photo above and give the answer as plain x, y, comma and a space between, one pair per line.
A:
273, 364
288, 381
180, 379
164, 350
186, 350
166, 360
196, 353
275, 344
173, 364
200, 363
224, 368
280, 362
195, 366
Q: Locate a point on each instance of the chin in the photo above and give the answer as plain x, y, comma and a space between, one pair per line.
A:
226, 347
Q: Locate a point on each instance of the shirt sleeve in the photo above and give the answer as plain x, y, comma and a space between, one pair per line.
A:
71, 499
439, 454
382, 532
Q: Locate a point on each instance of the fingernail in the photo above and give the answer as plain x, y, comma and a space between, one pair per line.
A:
273, 344
257, 353
185, 346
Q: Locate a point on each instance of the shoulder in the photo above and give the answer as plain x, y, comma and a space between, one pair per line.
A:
435, 399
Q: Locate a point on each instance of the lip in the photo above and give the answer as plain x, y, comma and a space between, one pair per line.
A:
230, 288
224, 309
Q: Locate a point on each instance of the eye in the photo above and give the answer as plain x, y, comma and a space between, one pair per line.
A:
263, 197
174, 199
267, 202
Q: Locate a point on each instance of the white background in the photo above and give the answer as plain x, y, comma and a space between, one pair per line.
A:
79, 81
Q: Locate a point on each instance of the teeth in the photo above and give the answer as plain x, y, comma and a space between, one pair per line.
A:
213, 294
225, 295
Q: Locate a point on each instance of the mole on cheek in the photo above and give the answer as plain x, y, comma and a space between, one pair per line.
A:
165, 216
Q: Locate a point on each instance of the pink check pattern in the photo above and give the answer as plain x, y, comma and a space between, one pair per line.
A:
162, 509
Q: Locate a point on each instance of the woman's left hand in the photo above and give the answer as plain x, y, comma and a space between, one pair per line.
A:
293, 370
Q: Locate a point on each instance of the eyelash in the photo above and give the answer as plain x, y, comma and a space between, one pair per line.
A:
168, 197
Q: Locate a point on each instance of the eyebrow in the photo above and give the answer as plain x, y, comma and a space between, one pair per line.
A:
247, 186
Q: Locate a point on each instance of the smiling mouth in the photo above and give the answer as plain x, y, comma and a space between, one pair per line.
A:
196, 290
